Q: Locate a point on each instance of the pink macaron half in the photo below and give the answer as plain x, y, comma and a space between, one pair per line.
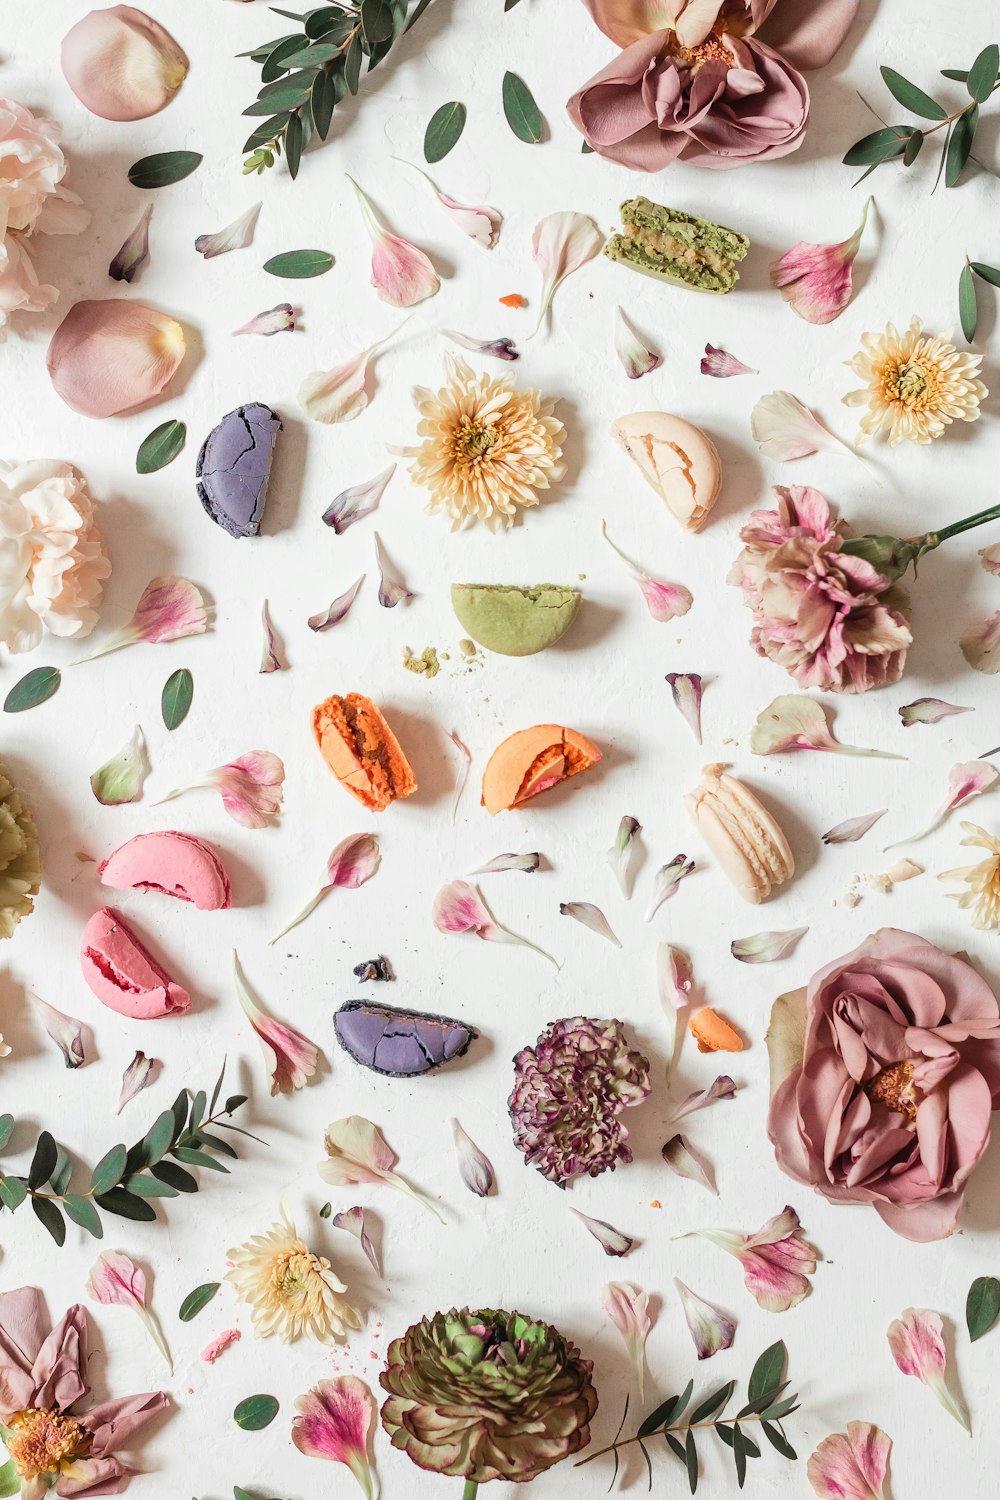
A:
176, 864
123, 974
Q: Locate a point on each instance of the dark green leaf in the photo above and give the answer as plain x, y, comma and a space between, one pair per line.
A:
739, 1445
691, 1459
725, 1433
523, 114
294, 141
320, 22
960, 145
13, 1191
968, 312
943, 158
768, 1372
255, 1413
779, 1441
586, 149
83, 1213
125, 1205
418, 12
659, 1416
649, 1463
713, 1403
43, 1162
6, 1129
983, 73
287, 92
234, 1102
982, 1307
60, 1176
163, 168
291, 98
445, 127
676, 1447
762, 1402
47, 1213
34, 688
376, 21
144, 1186
988, 273
914, 146
324, 100
958, 74
353, 59
279, 59
179, 1110
911, 97
108, 1171
159, 1137
880, 146
326, 1210
267, 131
779, 1409
299, 265
193, 1158
195, 1301
177, 1177
218, 1087
161, 447
175, 700
198, 1106
216, 1143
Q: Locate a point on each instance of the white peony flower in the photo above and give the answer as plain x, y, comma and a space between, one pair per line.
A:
32, 168
52, 559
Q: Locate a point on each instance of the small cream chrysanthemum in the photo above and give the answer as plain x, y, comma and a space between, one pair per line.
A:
982, 895
290, 1291
486, 447
915, 384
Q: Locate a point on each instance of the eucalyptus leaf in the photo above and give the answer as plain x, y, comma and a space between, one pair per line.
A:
13, 1191
324, 101
108, 1171
912, 97
881, 145
299, 265
982, 78
768, 1372
159, 1137
84, 1214
444, 128
294, 142
713, 1403
267, 131
177, 1177
125, 1205
164, 168
987, 273
968, 312
376, 21
254, 1413
34, 687
960, 145
353, 59
161, 447
47, 1212
6, 1129
691, 1460
144, 1186
982, 1307
44, 1160
778, 1440
175, 700
523, 114
914, 146
197, 1300
958, 75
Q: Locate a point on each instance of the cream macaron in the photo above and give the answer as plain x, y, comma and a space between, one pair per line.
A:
745, 839
676, 459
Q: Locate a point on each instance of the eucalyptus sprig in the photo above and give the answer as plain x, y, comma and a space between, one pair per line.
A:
766, 1405
968, 303
905, 142
126, 1178
306, 73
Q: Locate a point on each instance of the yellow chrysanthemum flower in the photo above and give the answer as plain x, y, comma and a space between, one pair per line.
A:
915, 384
982, 881
290, 1290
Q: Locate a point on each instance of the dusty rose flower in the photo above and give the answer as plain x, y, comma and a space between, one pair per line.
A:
829, 618
888, 1100
695, 81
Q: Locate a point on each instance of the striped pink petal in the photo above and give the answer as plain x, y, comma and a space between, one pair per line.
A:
851, 1465
334, 1422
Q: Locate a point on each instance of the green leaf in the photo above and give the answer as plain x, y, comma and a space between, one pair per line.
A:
6, 1129
299, 265
353, 59
126, 1205
287, 92
60, 1176
778, 1409
676, 1447
144, 1186
235, 1102
659, 1416
175, 1176
958, 74
768, 1372
161, 447
326, 1210
982, 1307
982, 78
281, 58
266, 131
254, 1413
43, 1162
10, 1480
880, 146
289, 99
83, 1213
34, 688
294, 141
911, 97
691, 1459
376, 21
523, 114
988, 273
968, 311
175, 700
47, 1213
713, 1403
914, 146
163, 168
960, 145
324, 101
779, 1441
195, 1158
198, 1106
442, 133
195, 1301
13, 1191
320, 22
159, 1137
108, 1171
179, 1110
739, 1455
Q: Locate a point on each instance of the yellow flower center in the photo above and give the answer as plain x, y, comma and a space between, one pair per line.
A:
712, 49
292, 1274
911, 383
473, 440
893, 1087
41, 1442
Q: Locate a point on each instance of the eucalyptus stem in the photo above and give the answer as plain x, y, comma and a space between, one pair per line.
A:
684, 1427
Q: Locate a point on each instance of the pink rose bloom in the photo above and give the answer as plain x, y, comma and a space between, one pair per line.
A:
888, 1099
694, 81
830, 619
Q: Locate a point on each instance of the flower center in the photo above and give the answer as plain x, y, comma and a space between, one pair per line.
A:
292, 1275
893, 1087
474, 440
712, 49
40, 1442
910, 383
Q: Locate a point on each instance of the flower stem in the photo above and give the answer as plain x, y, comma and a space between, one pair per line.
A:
471, 1490
992, 513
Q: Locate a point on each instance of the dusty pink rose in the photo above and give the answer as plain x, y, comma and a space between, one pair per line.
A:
830, 619
888, 1098
695, 81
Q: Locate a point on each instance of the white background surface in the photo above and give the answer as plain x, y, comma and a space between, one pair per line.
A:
522, 1248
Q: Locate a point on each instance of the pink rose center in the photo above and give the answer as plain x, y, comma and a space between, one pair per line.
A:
894, 1088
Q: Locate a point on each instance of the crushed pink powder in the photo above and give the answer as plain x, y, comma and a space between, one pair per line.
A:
221, 1342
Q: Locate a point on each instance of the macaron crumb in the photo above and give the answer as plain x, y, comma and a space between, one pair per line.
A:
427, 664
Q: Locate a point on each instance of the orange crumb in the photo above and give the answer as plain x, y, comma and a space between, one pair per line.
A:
514, 299
655, 1203
713, 1034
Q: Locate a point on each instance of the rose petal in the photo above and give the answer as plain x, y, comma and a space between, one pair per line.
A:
917, 1345
121, 64
928, 711
711, 1328
636, 359
590, 916
611, 1240
981, 646
853, 829
280, 319
560, 245
357, 502
681, 1159
474, 1168
236, 236
687, 690
334, 1421
766, 947
134, 253
851, 1467
337, 610
722, 365
121, 778
621, 852
108, 357
817, 280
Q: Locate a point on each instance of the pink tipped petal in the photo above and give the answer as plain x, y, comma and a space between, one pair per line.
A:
665, 601
120, 780
291, 1057
463, 778
851, 1466
480, 222
722, 1089
928, 711
560, 245
116, 1281
121, 64
109, 357
619, 856
710, 1327
674, 978
981, 646
338, 610
628, 1309
590, 916
139, 1074
611, 1240
967, 780
990, 558
687, 690
391, 589
170, 609
358, 1152
134, 253
334, 1421
251, 787
354, 861
816, 280
65, 1031
681, 1159
357, 502
353, 1221
853, 829
636, 359
766, 947
795, 722
236, 236
475, 1169
777, 1262
916, 1341
401, 273
269, 661
459, 908
528, 863
722, 365
491, 348
785, 430
666, 882
280, 319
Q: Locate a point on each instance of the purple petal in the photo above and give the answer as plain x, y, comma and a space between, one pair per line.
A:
636, 359
269, 657
353, 1221
668, 878
65, 1031
687, 690
134, 253
611, 1240
474, 1168
681, 1159
280, 319
853, 829
391, 589
722, 365
139, 1074
723, 1088
502, 348
529, 863
235, 236
711, 1328
325, 620
929, 711
357, 502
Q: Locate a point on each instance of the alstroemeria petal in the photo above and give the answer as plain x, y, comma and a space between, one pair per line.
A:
665, 601
290, 1057
353, 1221
169, 609
795, 722
851, 1466
116, 1281
722, 1088
121, 778
711, 1328
611, 1240
251, 787
280, 319
687, 690
340, 394
354, 861
777, 1262
785, 430
636, 359
337, 610
816, 280
929, 711
502, 348
529, 863
674, 978
989, 557
357, 502
110, 356
628, 1308
65, 1031
236, 236
459, 908
969, 779
357, 1152
853, 829
590, 916
981, 646
766, 947
475, 1169
917, 1344
269, 657
722, 365
561, 244
401, 273
681, 1159
391, 589
334, 1421
137, 1076
621, 852
463, 779
134, 253
667, 879
480, 222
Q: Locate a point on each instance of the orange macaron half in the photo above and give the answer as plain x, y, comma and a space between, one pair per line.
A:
531, 761
362, 751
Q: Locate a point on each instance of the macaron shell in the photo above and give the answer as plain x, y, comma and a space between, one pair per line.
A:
515, 619
545, 753
123, 974
175, 864
361, 750
676, 459
745, 839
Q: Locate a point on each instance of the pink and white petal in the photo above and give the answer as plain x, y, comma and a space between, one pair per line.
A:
334, 1420
354, 861
291, 1057
457, 908
612, 1241
561, 244
110, 356
981, 646
851, 1466
722, 365
236, 236
115, 1279
711, 1328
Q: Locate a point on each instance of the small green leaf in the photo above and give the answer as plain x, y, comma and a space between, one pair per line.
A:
326, 1210
523, 114
195, 1158
959, 75
6, 1129
159, 1137
195, 1301
740, 1453
691, 1459
988, 273
47, 1213
161, 447
960, 145
108, 1171
13, 1191
911, 97
914, 146
982, 78
376, 21
34, 688
968, 311
126, 1205
778, 1440
299, 265
254, 1413
442, 133
163, 169
177, 1177
294, 141
982, 1307
323, 100
10, 1480
353, 59
587, 149
83, 1213
713, 1403
60, 1175
148, 1187
768, 1372
880, 146
175, 700
44, 1160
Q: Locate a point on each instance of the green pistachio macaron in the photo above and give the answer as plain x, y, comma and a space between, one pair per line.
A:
513, 619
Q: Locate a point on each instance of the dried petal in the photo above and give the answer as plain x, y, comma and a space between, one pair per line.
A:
117, 1281
990, 558
929, 711
529, 863
337, 610
766, 947
236, 236
777, 1262
280, 319
139, 1074
628, 1309
591, 916
795, 722
269, 657
121, 778
636, 359
620, 854
687, 690
65, 1031
965, 781
712, 1033
290, 1057
401, 273
357, 502
480, 222
353, 1220
358, 1152
340, 394
474, 1168
784, 429
458, 907
722, 1088
391, 589
816, 280
917, 1344
851, 1467
502, 348
853, 829
134, 253
463, 779
110, 356
611, 1240
169, 610
560, 245
667, 879
121, 64
981, 646
354, 861
722, 365
665, 601
681, 1159
711, 1328
335, 1421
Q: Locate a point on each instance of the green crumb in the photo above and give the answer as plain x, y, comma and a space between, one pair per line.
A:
424, 665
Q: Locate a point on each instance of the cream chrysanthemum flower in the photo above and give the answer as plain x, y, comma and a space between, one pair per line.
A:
982, 881
291, 1291
486, 447
915, 385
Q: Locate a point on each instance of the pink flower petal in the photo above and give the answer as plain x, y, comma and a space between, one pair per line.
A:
121, 64
589, 916
529, 863
338, 610
391, 589
291, 1057
280, 319
636, 359
560, 245
109, 357
65, 1031
459, 908
628, 1308
251, 787
851, 1466
785, 430
853, 829
114, 1279
480, 222
134, 253
357, 502
611, 1240
401, 273
928, 711
795, 722
722, 365
681, 1159
269, 661
816, 280
354, 861
723, 1088
916, 1341
969, 779
687, 690
170, 609
981, 646
139, 1074
340, 394
357, 1152
665, 601
352, 1220
990, 558
666, 882
335, 1422
474, 1168
710, 1327
674, 976
503, 348
619, 855
766, 947
777, 1262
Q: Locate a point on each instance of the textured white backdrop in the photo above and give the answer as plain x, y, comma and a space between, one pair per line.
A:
522, 1248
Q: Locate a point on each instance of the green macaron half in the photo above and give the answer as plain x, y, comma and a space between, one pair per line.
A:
515, 619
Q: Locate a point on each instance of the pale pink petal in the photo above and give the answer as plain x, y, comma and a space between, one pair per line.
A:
967, 780
170, 609
236, 236
795, 722
65, 1031
928, 711
981, 646
853, 829
340, 394
611, 1240
358, 1152
666, 882
722, 365
480, 222
590, 916
109, 357
401, 273
502, 348
560, 245
686, 688
851, 1466
785, 430
990, 558
354, 861
674, 978
291, 1057
139, 1074
620, 853
529, 863
628, 1309
459, 908
250, 787
665, 601
816, 280
766, 947
134, 253
475, 1169
681, 1159
916, 1341
391, 589
280, 319
636, 359
777, 1262
121, 64
723, 1088
114, 1279
711, 1328
269, 661
338, 610
353, 1221
357, 502
335, 1422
